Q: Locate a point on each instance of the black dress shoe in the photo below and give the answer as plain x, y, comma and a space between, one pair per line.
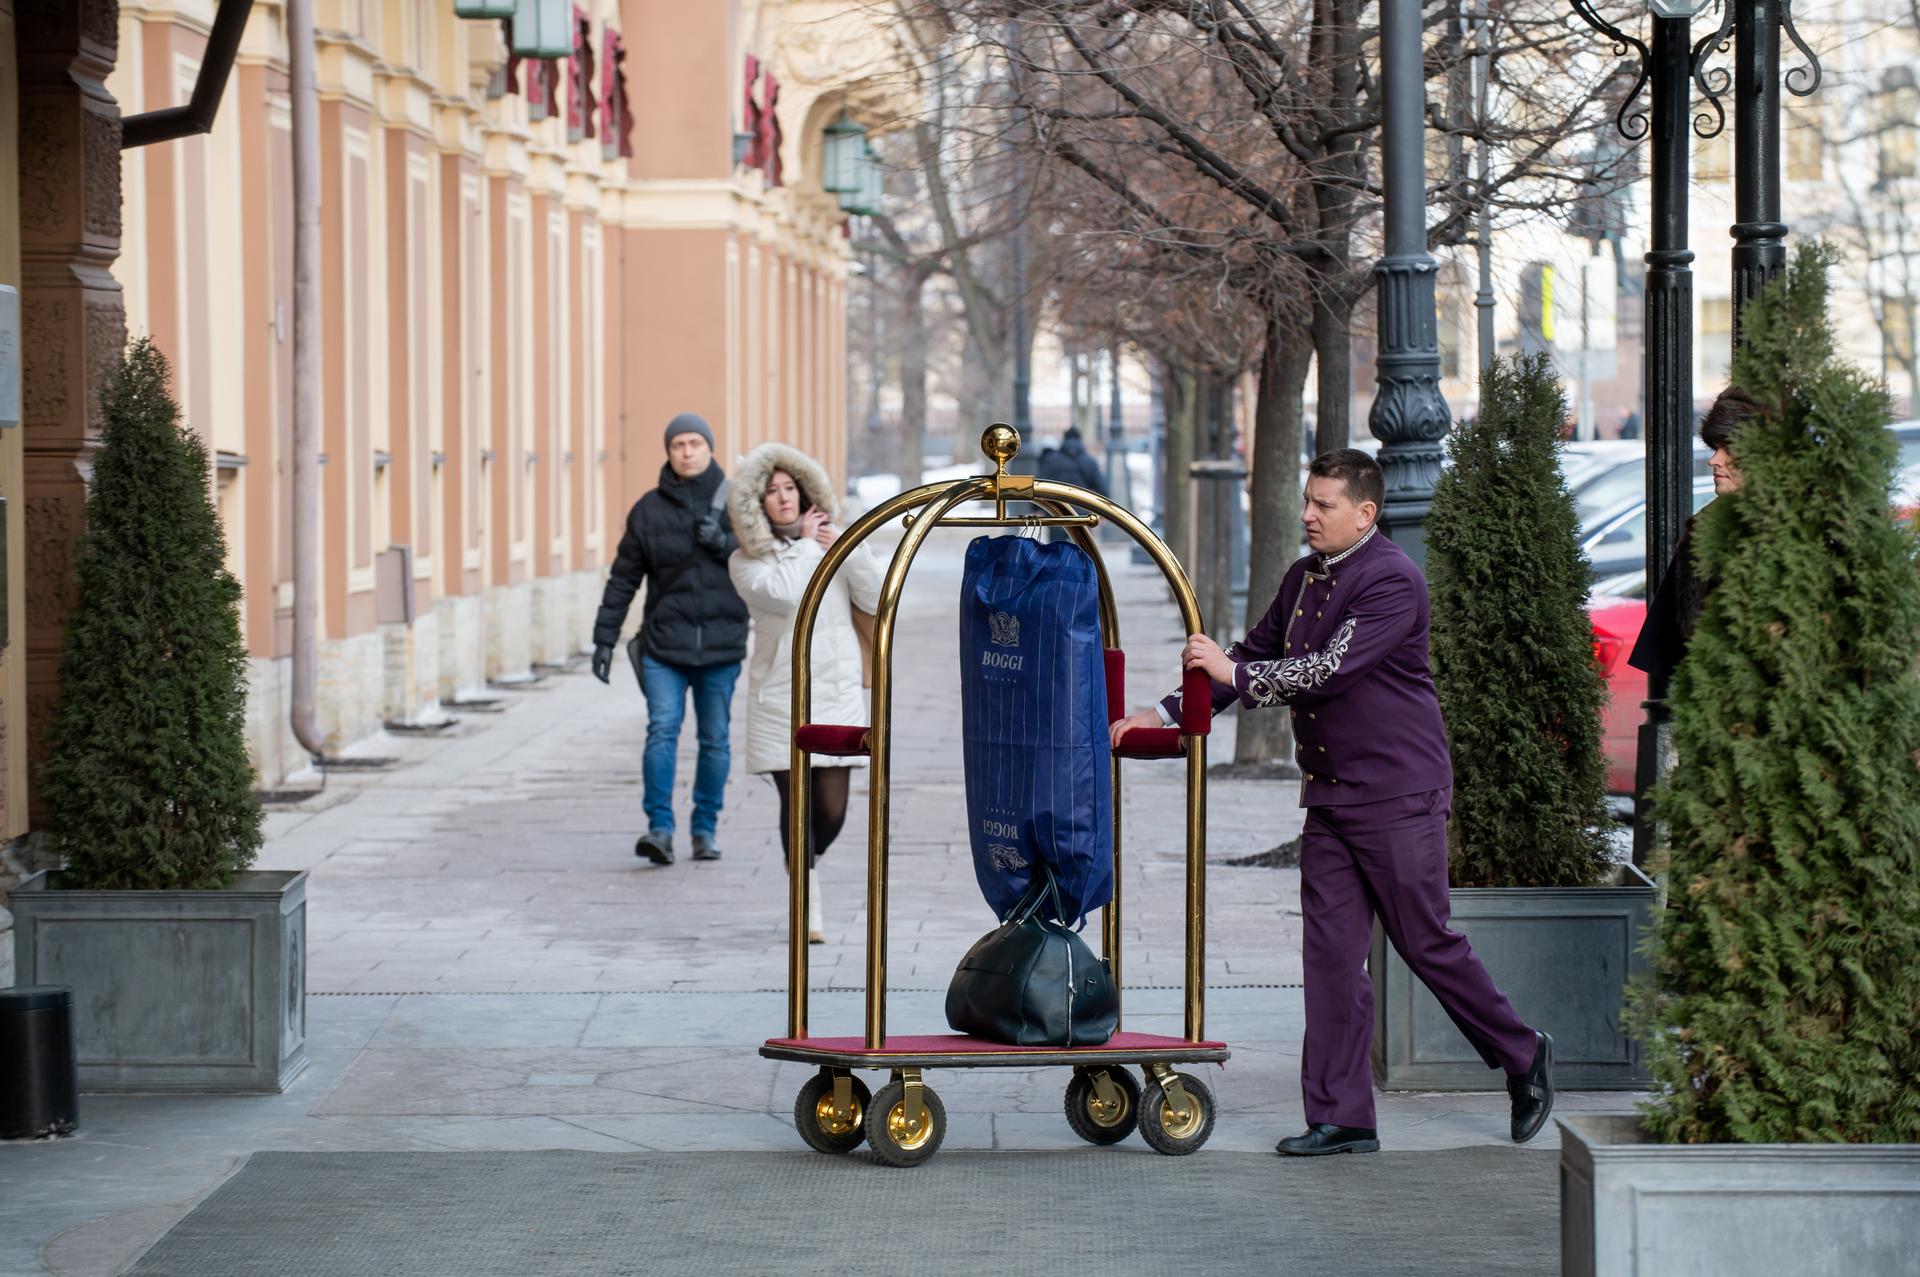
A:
1323, 1137
703, 848
1532, 1092
654, 846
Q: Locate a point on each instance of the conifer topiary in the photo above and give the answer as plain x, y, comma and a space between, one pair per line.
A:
1785, 1003
1512, 646
146, 781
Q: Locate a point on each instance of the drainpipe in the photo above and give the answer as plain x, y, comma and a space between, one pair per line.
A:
196, 117
306, 370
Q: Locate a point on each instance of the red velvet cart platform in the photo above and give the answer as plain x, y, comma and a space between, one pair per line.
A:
904, 1122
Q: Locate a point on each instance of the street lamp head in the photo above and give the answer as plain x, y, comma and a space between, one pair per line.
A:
1676, 8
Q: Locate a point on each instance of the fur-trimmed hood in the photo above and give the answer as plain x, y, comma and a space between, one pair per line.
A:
750, 478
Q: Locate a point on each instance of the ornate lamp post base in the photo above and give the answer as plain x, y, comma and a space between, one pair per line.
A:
1409, 416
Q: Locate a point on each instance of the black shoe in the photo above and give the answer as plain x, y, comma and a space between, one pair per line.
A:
1323, 1137
703, 848
1532, 1092
655, 846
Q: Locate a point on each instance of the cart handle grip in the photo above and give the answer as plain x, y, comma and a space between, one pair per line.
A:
1196, 702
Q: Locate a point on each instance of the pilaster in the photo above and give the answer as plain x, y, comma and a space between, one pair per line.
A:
73, 318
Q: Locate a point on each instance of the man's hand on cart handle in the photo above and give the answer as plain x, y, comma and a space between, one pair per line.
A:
1121, 726
1203, 652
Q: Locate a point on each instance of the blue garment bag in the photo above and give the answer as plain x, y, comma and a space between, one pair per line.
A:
1033, 721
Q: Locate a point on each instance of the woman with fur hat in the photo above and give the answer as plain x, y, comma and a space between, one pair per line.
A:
783, 507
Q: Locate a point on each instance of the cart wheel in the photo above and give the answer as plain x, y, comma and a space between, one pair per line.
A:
1167, 1129
895, 1140
823, 1128
1098, 1121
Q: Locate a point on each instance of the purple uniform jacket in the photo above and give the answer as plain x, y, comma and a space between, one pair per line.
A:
1345, 646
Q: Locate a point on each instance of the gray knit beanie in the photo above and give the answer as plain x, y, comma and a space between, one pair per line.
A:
689, 423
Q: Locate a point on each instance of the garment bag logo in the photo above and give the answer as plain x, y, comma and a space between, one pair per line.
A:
1005, 628
1005, 856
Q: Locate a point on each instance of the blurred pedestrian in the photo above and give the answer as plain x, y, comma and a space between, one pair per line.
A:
784, 506
1675, 607
1072, 463
693, 633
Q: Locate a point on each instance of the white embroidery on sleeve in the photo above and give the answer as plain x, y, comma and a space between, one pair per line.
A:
1272, 682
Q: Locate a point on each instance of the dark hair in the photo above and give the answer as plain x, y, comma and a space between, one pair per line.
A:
1355, 469
1731, 410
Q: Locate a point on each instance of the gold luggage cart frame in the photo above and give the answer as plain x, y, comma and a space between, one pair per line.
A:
904, 1123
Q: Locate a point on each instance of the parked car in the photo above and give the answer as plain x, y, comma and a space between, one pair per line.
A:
1617, 542
1617, 610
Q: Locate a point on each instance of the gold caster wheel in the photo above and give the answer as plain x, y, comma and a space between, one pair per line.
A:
1175, 1120
899, 1136
830, 1123
1103, 1104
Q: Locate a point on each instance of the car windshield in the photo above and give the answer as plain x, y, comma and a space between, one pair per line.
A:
1909, 437
1623, 533
1605, 489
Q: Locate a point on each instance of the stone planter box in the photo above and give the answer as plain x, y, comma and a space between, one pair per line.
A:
175, 990
1633, 1208
1562, 955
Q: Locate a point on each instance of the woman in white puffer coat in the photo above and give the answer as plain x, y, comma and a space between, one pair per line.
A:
783, 506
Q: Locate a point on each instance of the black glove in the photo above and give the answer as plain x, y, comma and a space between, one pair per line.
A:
714, 534
602, 662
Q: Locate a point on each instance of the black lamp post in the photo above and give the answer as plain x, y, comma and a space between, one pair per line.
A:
1409, 416
1759, 236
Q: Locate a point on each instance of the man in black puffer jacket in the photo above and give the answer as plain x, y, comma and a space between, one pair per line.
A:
693, 634
1071, 463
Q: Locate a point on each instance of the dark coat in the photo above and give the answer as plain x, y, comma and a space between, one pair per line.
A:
678, 545
1672, 613
1344, 646
1072, 463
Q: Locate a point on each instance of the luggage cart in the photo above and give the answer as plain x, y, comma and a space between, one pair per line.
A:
904, 1122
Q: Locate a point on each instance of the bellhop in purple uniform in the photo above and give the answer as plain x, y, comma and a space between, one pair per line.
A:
1343, 649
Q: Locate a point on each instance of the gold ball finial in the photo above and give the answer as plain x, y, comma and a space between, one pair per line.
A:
1001, 443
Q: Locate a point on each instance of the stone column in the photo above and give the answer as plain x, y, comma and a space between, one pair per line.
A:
73, 320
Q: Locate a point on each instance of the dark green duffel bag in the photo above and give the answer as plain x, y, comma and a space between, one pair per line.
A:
1032, 982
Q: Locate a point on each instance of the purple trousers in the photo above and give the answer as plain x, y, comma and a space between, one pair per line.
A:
1387, 858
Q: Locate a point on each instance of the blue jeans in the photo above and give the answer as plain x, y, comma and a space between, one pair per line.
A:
666, 689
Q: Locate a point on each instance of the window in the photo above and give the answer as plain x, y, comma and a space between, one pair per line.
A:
1715, 343
1713, 156
1455, 318
1899, 146
1805, 143
1896, 333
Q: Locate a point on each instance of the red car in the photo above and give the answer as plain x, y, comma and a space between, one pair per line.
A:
1617, 615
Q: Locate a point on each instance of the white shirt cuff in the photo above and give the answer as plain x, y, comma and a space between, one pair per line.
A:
1165, 718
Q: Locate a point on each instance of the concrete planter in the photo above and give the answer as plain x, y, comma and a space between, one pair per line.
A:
1633, 1208
1562, 955
175, 990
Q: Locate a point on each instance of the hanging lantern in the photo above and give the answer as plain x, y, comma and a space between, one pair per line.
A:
863, 198
543, 28
485, 8
872, 180
844, 146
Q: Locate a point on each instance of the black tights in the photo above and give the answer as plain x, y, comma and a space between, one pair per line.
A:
827, 808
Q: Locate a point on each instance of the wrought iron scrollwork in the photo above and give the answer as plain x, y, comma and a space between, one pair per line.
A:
1810, 73
1632, 124
1713, 83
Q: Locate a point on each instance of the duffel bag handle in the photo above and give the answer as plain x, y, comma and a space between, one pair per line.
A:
1042, 888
